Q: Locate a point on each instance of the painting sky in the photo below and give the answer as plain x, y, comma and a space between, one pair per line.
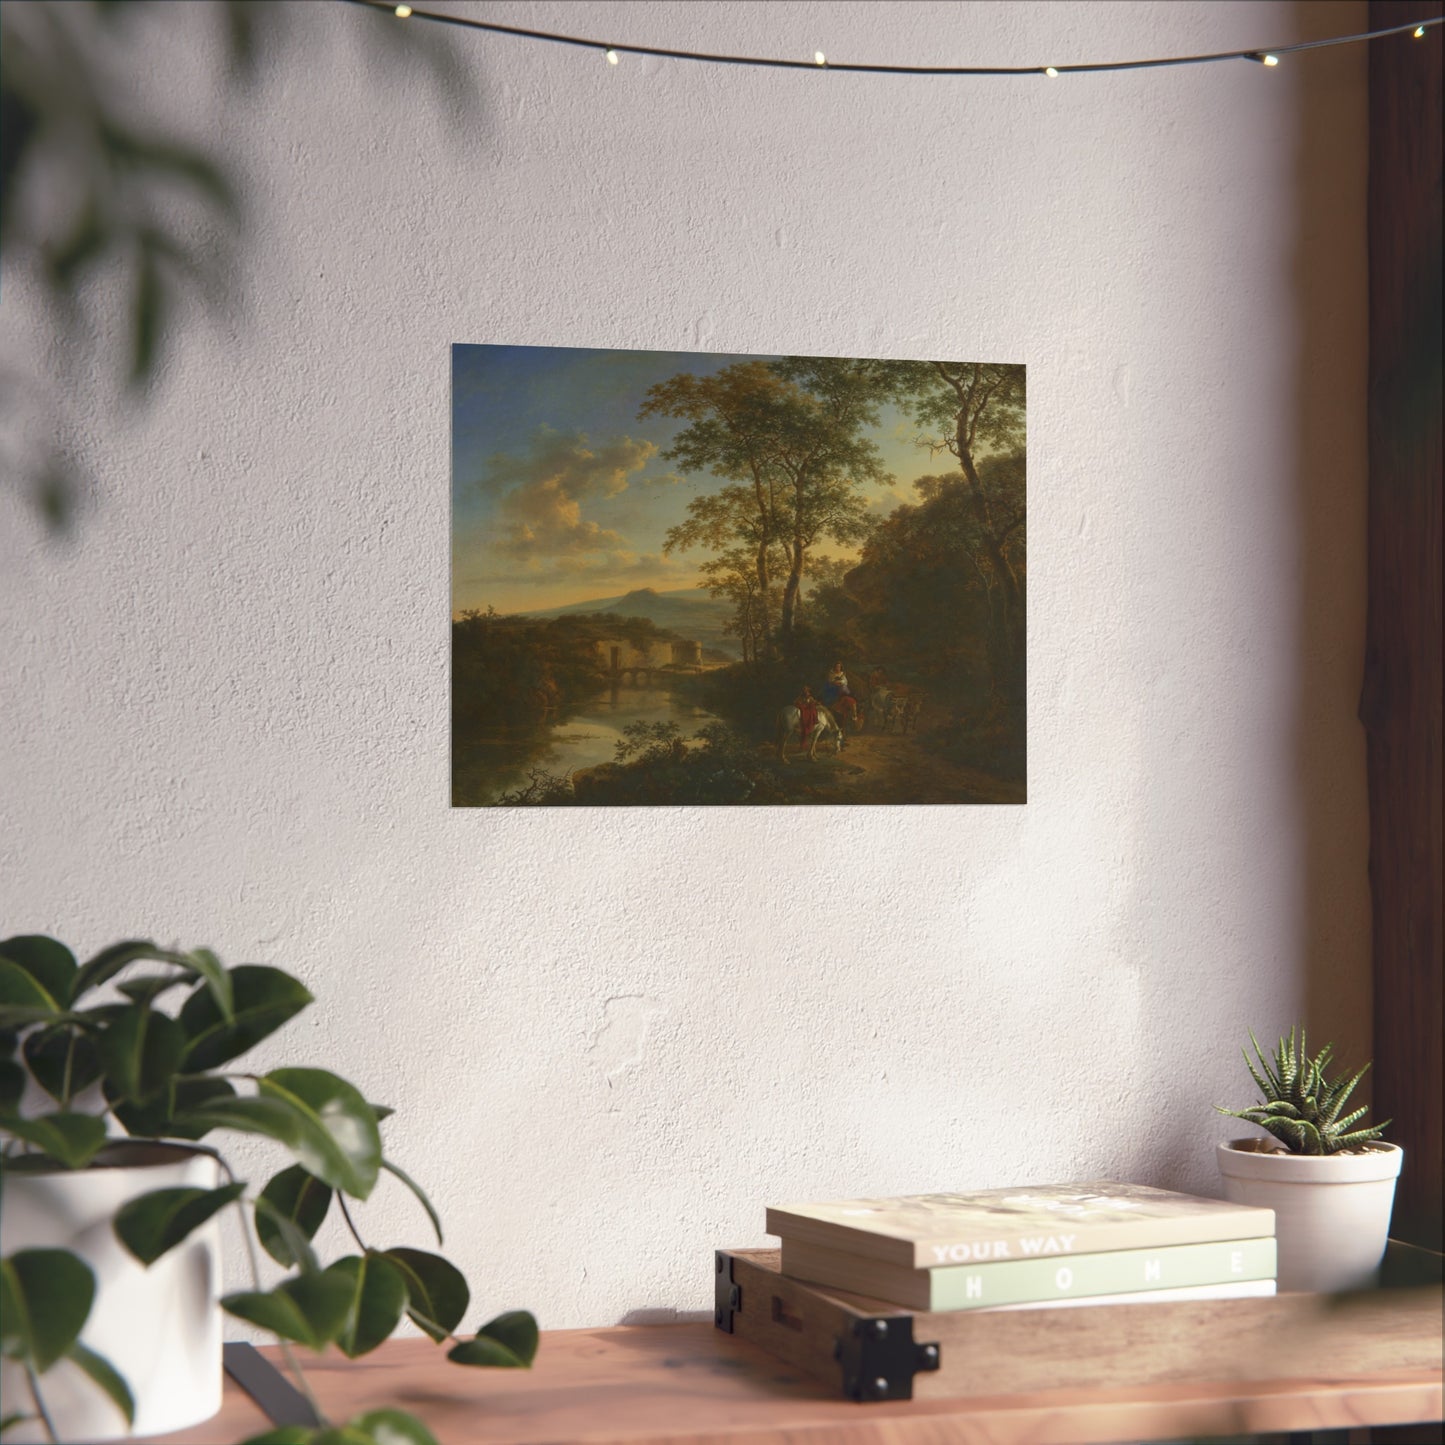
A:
560, 494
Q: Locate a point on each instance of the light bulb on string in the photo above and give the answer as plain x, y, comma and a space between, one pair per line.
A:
1260, 57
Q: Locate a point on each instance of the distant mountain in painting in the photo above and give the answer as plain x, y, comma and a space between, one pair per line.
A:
688, 612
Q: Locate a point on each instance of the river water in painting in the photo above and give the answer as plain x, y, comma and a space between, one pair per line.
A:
485, 769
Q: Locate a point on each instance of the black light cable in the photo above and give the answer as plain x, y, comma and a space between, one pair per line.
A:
612, 51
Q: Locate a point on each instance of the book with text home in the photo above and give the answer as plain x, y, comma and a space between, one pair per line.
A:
924, 1231
1245, 1289
1031, 1281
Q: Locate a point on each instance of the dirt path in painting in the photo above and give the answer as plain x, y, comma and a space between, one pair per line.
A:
894, 768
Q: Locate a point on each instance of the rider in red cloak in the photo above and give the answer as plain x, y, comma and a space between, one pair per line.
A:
807, 706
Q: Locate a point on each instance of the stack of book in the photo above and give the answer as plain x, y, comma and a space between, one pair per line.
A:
1031, 1247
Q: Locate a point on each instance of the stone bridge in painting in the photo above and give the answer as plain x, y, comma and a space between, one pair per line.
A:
632, 666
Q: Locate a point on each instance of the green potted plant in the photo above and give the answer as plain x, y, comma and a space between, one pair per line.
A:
1331, 1185
114, 1085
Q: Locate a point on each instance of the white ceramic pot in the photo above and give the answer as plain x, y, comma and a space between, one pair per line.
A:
160, 1327
1331, 1211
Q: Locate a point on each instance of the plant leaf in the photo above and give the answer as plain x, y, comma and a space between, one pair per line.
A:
310, 1310
73, 1139
104, 1374
517, 1330
151, 1224
46, 1297
210, 968
392, 1427
11, 1421
378, 1296
1338, 1126
416, 1189
437, 1293
279, 1115
1361, 1136
269, 1117
23, 999
12, 1086
298, 1197
109, 962
46, 1053
340, 1143
187, 1094
148, 989
159, 1117
299, 1247
141, 1051
507, 1342
14, 1323
96, 1018
49, 963
263, 999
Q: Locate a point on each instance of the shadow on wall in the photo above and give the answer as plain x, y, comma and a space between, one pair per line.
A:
1331, 295
91, 189
1324, 905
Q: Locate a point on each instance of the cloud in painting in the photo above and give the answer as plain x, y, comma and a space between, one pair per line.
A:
617, 571
539, 494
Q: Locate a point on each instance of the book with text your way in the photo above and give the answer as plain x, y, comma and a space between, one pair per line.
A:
1032, 1222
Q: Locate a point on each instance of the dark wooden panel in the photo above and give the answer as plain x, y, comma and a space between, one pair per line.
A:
1400, 703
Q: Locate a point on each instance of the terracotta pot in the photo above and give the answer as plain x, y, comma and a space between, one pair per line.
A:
160, 1327
1331, 1211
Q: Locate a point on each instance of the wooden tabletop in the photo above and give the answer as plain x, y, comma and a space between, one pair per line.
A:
694, 1385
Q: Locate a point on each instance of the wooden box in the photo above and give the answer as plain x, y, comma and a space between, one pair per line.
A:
871, 1350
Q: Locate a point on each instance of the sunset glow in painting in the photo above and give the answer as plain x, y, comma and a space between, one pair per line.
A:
685, 578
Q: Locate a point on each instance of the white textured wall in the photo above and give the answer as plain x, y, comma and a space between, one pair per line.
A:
613, 1036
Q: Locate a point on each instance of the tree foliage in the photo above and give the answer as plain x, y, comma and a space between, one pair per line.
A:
936, 589
971, 411
788, 437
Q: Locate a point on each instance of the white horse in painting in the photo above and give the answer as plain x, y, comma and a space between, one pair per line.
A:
826, 726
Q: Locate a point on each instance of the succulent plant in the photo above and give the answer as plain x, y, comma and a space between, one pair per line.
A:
1301, 1108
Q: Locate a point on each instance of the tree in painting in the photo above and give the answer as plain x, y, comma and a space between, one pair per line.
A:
682, 578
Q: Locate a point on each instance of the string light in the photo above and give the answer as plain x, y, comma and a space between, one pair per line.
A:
1260, 56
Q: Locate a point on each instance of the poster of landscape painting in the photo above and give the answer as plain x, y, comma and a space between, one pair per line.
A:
683, 578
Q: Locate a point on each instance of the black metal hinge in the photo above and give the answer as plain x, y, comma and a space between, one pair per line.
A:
880, 1358
727, 1296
